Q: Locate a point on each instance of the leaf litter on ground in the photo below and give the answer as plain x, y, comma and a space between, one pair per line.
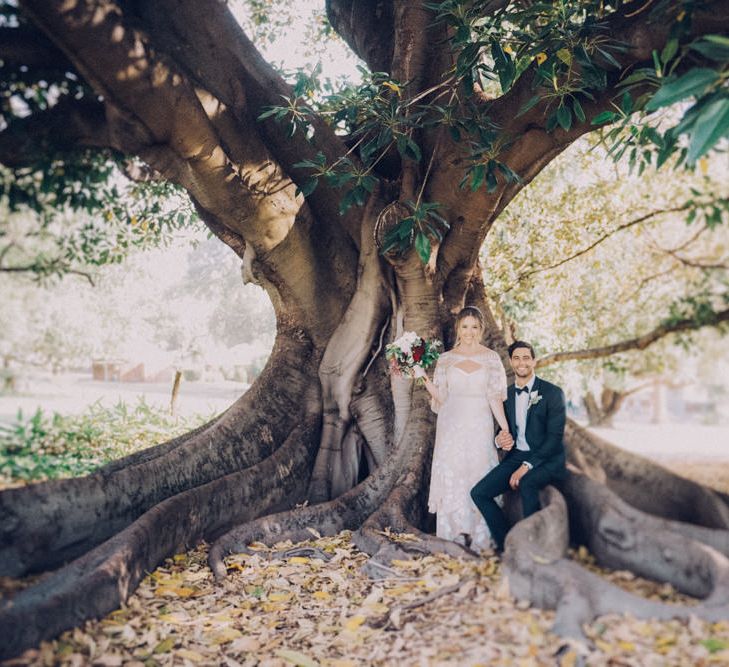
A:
279, 611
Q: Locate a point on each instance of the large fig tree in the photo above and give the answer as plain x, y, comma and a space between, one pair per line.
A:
362, 215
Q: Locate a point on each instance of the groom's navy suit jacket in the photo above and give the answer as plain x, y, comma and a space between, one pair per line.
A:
545, 422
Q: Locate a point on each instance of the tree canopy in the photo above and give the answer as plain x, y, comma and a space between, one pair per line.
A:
362, 210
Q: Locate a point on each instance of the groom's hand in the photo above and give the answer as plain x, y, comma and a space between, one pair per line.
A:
504, 440
516, 476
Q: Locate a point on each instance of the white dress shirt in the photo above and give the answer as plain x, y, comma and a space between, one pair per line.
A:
521, 405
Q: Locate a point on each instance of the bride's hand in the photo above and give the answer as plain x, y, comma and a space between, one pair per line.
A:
419, 372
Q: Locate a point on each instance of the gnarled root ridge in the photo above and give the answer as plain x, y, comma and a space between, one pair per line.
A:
644, 484
537, 570
387, 486
98, 582
44, 525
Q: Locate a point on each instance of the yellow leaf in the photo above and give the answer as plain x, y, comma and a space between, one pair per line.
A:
603, 646
321, 595
296, 658
165, 646
257, 546
508, 49
354, 622
188, 654
565, 56
172, 618
704, 165
280, 597
406, 564
398, 590
236, 566
541, 57
665, 640
299, 560
224, 636
179, 558
627, 646
179, 591
568, 659
392, 86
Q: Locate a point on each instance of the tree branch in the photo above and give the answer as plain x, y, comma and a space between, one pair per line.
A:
163, 118
56, 266
640, 343
238, 76
367, 27
532, 147
594, 244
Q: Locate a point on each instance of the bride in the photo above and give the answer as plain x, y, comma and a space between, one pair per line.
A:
467, 392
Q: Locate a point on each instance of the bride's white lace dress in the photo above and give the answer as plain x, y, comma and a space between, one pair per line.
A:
464, 441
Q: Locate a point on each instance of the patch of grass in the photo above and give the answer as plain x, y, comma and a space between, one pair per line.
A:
45, 446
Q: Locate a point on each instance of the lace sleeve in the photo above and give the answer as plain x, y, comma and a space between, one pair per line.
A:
440, 380
495, 378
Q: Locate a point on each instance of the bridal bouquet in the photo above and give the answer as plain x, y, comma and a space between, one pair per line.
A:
411, 352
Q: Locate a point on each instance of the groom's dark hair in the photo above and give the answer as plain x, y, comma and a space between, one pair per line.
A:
520, 343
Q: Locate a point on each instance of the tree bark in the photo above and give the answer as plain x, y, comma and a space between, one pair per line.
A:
324, 422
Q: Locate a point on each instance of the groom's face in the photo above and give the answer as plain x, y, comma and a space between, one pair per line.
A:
523, 363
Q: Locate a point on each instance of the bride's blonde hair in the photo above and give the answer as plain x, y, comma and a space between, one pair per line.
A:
468, 311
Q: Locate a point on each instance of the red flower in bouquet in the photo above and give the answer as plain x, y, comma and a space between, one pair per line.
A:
418, 352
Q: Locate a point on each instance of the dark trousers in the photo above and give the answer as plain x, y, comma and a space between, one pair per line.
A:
496, 482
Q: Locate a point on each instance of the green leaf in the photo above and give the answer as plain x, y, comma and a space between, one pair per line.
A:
714, 644
269, 112
626, 104
478, 173
422, 245
528, 105
408, 148
609, 57
711, 125
551, 122
564, 117
579, 111
504, 66
710, 48
669, 51
307, 188
604, 117
694, 82
491, 182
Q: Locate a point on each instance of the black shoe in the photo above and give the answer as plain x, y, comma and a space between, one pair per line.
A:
464, 539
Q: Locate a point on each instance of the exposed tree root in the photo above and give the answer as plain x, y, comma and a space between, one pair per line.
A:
43, 525
646, 485
98, 582
348, 511
622, 537
537, 571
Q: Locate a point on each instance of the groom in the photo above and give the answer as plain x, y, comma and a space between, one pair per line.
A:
535, 410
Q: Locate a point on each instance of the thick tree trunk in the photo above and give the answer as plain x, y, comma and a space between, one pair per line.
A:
324, 422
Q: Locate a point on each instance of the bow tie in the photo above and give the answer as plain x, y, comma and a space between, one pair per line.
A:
523, 389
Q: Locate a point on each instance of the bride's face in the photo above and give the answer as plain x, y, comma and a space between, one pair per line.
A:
469, 331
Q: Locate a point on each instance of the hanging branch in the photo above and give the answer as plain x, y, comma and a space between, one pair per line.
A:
639, 343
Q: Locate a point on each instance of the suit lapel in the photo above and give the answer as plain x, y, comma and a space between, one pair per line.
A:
511, 408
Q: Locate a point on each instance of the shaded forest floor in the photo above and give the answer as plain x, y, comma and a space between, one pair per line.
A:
304, 610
